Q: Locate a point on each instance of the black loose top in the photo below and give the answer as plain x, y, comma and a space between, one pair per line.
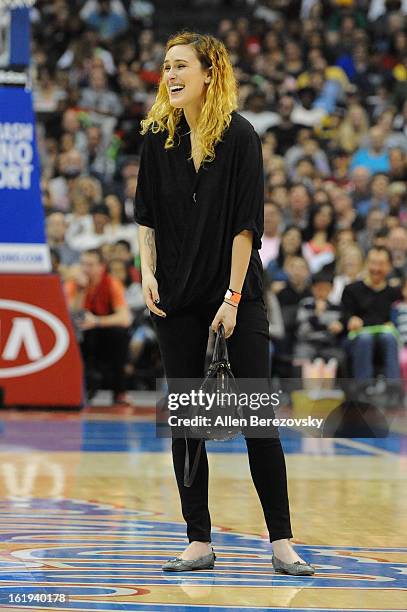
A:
196, 215
373, 307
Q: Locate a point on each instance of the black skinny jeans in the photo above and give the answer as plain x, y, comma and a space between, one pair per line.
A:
183, 339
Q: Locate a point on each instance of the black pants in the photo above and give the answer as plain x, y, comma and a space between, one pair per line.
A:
104, 351
183, 339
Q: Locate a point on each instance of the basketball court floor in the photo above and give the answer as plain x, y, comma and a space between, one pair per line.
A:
89, 511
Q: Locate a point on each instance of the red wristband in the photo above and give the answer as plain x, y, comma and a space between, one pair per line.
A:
233, 296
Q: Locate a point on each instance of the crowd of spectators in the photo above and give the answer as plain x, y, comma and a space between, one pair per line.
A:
325, 86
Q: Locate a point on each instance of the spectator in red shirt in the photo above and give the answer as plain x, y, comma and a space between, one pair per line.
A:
98, 304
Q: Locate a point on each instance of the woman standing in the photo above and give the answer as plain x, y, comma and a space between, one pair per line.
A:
199, 205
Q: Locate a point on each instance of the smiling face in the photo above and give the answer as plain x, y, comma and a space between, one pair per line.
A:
185, 77
378, 266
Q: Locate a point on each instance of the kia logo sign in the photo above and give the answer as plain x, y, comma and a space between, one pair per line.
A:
23, 334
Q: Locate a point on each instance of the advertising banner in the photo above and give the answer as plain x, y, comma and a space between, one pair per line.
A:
40, 363
22, 235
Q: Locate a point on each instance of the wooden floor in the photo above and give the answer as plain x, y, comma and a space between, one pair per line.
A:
89, 510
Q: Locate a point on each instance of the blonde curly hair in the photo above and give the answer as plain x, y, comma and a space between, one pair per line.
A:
220, 99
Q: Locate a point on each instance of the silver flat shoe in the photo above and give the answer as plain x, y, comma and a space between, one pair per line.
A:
176, 564
294, 569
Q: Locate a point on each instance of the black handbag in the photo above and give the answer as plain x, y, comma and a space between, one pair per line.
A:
223, 423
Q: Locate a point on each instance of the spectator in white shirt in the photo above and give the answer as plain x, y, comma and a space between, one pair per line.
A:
118, 228
98, 234
257, 113
98, 97
79, 221
272, 233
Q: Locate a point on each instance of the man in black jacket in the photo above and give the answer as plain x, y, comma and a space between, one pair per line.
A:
366, 304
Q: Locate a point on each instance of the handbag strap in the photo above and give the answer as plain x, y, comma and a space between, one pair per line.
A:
220, 354
189, 476
220, 351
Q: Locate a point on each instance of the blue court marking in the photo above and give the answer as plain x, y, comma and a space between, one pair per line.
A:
134, 436
113, 436
394, 443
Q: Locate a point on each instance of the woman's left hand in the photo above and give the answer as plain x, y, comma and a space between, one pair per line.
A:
227, 316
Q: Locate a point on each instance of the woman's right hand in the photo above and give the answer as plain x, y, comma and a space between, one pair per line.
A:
150, 293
